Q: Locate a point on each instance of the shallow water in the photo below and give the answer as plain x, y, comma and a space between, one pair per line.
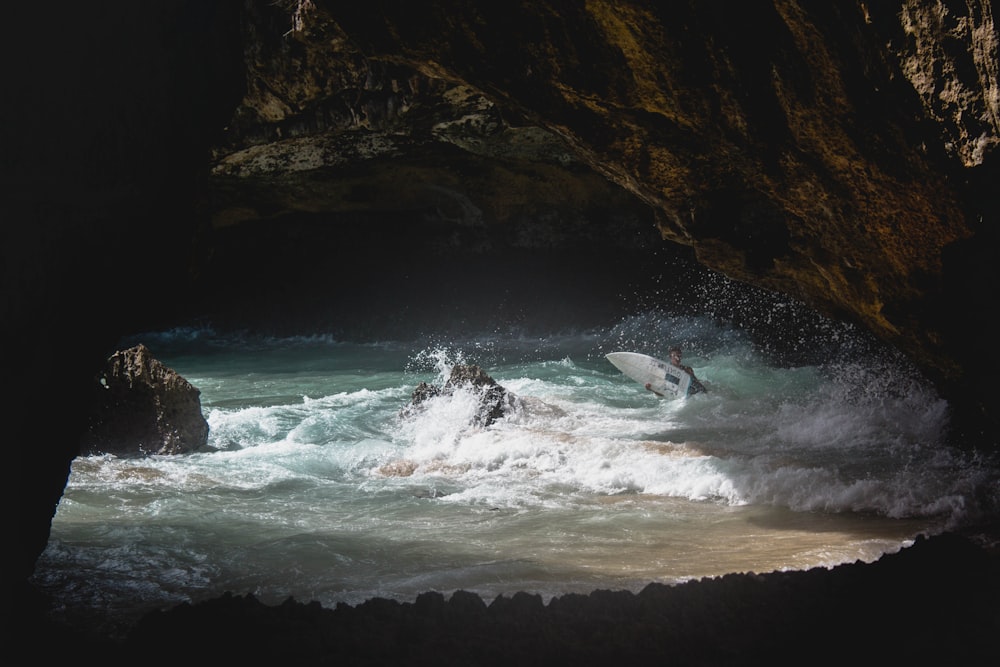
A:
323, 488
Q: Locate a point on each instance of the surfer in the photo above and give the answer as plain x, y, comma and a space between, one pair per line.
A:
675, 360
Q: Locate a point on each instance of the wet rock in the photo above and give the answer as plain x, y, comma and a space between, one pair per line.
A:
495, 401
141, 407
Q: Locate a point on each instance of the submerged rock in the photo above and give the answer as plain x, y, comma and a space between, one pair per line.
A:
495, 401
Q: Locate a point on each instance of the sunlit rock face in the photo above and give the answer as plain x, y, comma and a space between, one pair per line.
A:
831, 151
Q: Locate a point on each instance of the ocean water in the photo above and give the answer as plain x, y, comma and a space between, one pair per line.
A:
322, 487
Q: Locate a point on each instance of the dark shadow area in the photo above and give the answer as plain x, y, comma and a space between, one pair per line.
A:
930, 603
367, 276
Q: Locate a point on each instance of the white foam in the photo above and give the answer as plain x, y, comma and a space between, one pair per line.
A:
592, 482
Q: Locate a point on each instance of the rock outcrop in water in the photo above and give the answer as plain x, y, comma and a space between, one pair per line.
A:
140, 407
495, 401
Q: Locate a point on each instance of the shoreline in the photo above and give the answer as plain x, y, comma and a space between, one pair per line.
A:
933, 600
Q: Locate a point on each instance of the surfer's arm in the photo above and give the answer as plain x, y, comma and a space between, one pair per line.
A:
650, 388
696, 384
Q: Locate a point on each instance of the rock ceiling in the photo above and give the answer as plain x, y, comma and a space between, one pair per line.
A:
822, 151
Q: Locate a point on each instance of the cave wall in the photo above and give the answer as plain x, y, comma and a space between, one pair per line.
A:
821, 150
108, 113
841, 154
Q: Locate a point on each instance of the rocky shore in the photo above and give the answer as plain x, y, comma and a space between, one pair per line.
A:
932, 603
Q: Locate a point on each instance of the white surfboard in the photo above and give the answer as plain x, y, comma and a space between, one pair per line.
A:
663, 378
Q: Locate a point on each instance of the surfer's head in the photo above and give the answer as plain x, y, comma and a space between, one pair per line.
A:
675, 354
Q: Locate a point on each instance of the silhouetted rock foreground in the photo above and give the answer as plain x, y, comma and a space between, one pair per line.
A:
934, 602
494, 399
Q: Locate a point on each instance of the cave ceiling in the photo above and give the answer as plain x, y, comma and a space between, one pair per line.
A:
819, 150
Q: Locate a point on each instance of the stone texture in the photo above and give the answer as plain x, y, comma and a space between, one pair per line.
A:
141, 407
830, 152
495, 401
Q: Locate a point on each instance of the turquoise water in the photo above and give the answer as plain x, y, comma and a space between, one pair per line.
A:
321, 489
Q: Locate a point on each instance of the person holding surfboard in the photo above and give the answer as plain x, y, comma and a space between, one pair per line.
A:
675, 360
667, 379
